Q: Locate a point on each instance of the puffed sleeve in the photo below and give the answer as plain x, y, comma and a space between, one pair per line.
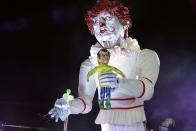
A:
148, 64
86, 91
142, 87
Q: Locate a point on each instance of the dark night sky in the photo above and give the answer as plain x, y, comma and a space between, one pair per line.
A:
44, 42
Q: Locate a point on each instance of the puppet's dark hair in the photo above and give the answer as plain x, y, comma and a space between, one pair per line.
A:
103, 50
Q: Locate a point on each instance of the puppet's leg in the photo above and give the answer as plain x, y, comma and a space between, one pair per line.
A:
112, 127
102, 95
108, 96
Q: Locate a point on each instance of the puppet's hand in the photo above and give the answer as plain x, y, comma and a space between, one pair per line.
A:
60, 110
109, 79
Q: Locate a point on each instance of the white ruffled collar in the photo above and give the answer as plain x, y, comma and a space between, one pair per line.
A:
126, 47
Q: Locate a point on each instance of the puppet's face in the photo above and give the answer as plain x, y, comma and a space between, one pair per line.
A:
104, 57
107, 27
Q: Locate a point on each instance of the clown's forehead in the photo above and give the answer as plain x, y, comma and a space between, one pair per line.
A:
102, 15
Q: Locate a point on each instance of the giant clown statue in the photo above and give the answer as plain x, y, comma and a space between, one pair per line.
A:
109, 22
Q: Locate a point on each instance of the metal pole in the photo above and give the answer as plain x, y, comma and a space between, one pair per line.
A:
25, 127
65, 124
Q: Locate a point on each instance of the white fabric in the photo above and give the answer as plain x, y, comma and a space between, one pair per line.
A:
124, 117
137, 65
86, 90
127, 47
133, 127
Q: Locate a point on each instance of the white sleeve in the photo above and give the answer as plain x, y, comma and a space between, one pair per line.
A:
86, 91
143, 87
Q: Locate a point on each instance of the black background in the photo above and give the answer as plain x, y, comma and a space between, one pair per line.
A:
42, 44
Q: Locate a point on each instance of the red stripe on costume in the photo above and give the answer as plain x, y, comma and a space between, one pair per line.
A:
123, 108
84, 104
144, 88
148, 80
120, 99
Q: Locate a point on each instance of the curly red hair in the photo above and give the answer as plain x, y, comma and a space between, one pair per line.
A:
113, 7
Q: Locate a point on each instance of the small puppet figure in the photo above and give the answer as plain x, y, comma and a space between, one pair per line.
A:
103, 57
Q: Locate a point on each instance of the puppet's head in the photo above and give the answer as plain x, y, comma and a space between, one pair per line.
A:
108, 20
103, 56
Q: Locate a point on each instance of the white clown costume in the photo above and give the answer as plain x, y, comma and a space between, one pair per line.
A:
109, 22
141, 68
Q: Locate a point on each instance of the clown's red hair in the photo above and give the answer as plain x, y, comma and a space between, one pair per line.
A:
113, 7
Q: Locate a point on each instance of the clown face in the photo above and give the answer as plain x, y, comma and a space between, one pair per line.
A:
107, 28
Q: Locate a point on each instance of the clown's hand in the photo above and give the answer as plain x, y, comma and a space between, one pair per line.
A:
61, 108
109, 80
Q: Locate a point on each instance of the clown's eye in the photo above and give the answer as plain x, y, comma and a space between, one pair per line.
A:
108, 18
96, 21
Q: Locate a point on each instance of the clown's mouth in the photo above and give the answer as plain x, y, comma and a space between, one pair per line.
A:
107, 30
103, 30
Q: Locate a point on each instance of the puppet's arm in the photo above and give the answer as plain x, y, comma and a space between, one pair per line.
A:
118, 71
92, 72
143, 87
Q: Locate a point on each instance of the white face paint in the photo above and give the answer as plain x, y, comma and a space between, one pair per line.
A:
107, 29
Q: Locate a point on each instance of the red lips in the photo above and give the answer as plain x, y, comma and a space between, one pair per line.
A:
110, 30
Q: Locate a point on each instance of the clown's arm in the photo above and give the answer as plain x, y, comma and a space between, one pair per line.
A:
86, 91
143, 86
83, 104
